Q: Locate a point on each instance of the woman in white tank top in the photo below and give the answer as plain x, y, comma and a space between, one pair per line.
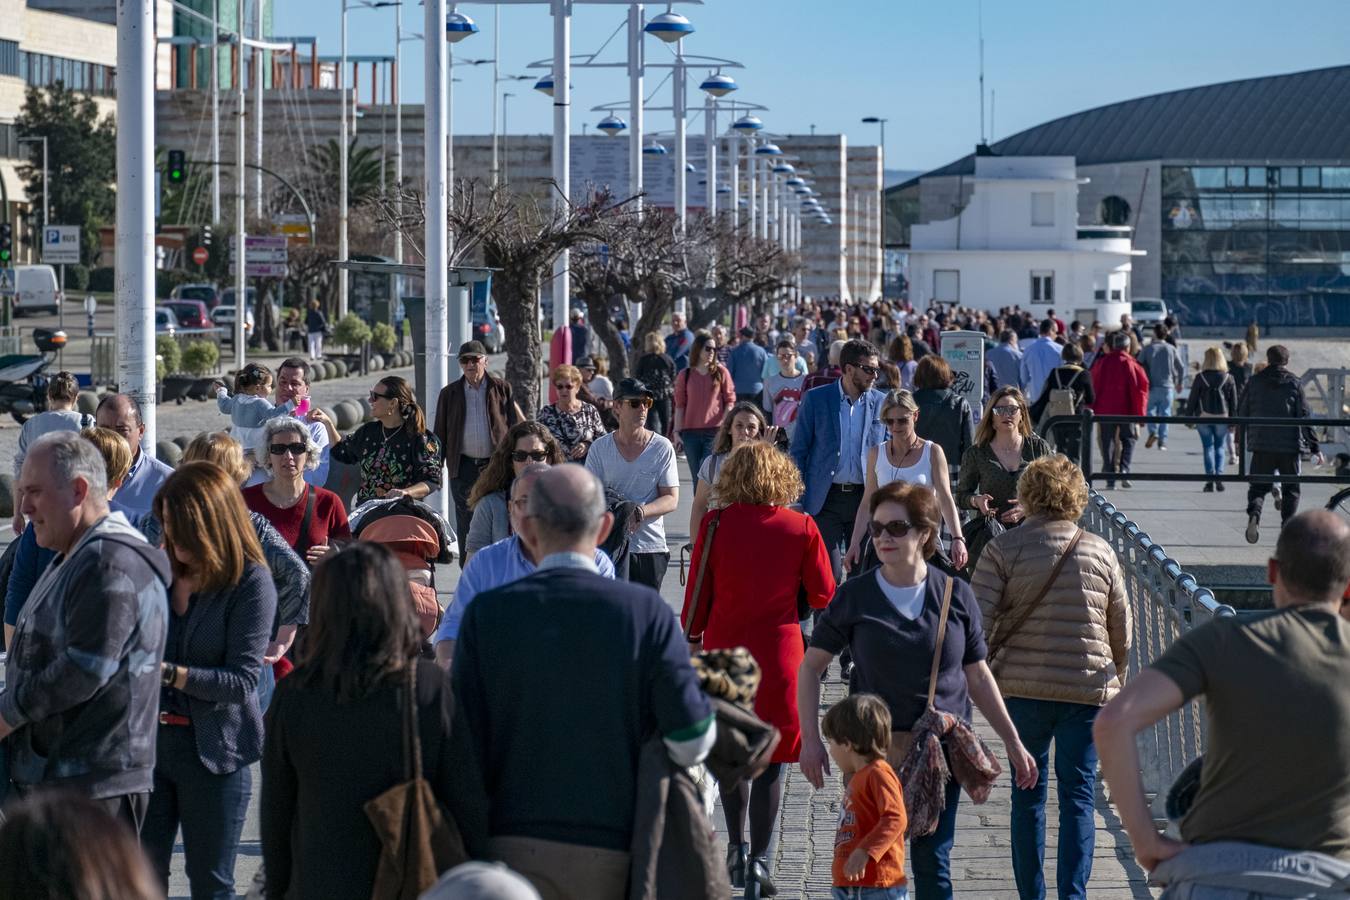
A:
909, 458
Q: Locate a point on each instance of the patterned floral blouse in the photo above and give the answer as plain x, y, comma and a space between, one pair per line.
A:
582, 426
390, 460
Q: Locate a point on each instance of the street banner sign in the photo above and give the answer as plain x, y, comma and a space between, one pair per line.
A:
61, 245
294, 226
265, 256
200, 256
964, 352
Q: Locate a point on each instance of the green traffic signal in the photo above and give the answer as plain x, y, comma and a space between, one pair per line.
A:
177, 166
6, 242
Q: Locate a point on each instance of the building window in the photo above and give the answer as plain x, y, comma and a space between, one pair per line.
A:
946, 286
1099, 294
1115, 292
1042, 208
1114, 211
41, 70
1042, 287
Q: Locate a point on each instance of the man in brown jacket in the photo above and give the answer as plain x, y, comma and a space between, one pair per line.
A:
473, 414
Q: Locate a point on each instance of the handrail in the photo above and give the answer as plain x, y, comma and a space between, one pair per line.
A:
1165, 603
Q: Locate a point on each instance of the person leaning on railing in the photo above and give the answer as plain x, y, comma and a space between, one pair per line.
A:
1057, 622
1273, 802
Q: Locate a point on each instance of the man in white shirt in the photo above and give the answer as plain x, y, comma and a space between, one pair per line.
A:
1040, 357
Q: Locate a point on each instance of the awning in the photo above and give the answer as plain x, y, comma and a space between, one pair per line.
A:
14, 186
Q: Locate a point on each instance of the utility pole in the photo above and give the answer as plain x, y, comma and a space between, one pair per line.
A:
496, 75
135, 253
437, 228
215, 110
343, 141
636, 70
562, 151
398, 143
259, 58
240, 233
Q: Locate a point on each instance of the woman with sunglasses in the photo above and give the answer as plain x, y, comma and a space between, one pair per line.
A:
525, 443
889, 621
745, 425
703, 393
735, 604
1004, 445
398, 457
574, 423
311, 519
909, 459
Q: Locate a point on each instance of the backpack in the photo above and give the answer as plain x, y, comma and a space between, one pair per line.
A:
1063, 400
786, 405
1211, 397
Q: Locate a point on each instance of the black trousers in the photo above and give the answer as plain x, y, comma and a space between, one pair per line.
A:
835, 523
1269, 464
648, 568
462, 480
659, 417
1109, 434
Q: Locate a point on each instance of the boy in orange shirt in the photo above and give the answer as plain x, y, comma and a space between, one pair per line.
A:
869, 849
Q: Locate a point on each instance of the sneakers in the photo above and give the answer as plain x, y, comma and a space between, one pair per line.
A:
1232, 459
1253, 529
1209, 487
1125, 483
1161, 445
1152, 439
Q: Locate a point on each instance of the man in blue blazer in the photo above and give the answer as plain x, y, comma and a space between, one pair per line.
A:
836, 426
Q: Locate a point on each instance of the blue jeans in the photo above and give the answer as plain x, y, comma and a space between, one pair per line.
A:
1160, 401
209, 807
1212, 439
698, 444
930, 856
899, 892
267, 686
1069, 725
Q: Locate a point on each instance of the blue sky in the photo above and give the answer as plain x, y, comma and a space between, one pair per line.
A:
914, 62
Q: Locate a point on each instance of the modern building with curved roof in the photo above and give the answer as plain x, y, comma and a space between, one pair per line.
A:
1238, 193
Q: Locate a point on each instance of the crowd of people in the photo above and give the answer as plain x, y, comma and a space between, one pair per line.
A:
167, 629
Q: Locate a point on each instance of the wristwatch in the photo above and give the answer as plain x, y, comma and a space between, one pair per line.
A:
169, 675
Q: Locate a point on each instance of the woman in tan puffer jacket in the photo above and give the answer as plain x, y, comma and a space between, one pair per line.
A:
1058, 654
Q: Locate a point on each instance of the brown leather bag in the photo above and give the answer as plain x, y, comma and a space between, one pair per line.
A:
418, 840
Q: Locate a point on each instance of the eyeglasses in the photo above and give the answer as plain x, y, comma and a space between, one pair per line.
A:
283, 449
535, 455
564, 386
870, 370
378, 396
470, 360
897, 529
1007, 409
710, 348
638, 402
896, 421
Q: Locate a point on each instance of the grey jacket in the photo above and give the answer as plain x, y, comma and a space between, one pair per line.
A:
82, 677
1162, 362
491, 523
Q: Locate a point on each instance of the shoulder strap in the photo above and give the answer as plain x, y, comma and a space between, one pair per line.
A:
412, 744
941, 635
302, 542
1000, 637
698, 576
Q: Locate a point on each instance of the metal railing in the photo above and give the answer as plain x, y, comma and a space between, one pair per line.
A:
1165, 603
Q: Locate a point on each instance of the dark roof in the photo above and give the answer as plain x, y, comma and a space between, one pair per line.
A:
1300, 116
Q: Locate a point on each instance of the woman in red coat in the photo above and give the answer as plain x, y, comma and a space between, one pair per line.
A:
762, 557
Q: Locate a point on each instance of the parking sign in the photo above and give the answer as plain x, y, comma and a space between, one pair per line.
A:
61, 245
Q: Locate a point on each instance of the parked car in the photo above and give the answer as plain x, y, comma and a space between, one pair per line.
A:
165, 321
206, 293
190, 313
36, 290
223, 317
1148, 311
486, 326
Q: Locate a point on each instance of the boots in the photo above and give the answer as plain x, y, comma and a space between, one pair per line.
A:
758, 884
736, 863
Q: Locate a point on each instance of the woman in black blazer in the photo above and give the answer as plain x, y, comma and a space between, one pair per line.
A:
335, 734
222, 602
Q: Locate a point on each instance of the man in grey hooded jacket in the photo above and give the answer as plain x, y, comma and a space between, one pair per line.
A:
82, 678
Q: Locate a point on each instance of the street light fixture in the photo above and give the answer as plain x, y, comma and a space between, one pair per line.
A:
545, 85
611, 125
670, 27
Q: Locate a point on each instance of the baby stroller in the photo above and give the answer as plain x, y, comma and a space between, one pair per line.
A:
419, 537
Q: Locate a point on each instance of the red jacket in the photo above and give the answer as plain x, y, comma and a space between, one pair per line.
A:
1121, 385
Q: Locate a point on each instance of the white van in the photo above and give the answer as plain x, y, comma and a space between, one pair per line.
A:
35, 290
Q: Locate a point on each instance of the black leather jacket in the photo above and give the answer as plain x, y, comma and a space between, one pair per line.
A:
944, 417
1275, 393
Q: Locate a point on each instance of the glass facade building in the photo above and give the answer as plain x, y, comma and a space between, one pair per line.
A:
1264, 244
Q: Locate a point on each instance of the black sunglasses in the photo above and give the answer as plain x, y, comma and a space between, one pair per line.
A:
536, 455
377, 396
282, 449
465, 360
871, 370
897, 529
637, 402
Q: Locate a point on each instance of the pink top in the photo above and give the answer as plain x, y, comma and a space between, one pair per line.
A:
699, 396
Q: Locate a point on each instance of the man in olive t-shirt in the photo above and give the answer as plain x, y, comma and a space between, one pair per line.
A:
1277, 702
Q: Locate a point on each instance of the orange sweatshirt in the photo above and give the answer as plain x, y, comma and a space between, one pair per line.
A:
873, 817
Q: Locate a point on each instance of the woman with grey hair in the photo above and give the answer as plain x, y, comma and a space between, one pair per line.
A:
311, 519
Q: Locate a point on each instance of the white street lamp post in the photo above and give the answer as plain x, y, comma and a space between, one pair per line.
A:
436, 227
135, 252
636, 70
215, 111
260, 58
343, 141
506, 136
562, 150
240, 232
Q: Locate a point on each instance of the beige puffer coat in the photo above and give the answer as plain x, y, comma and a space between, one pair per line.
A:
1075, 646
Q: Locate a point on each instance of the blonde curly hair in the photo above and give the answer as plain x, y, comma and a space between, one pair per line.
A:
760, 475
1053, 487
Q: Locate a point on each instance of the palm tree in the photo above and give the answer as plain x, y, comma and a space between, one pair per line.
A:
368, 173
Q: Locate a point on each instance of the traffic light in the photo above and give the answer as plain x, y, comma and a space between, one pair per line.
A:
6, 244
206, 235
177, 167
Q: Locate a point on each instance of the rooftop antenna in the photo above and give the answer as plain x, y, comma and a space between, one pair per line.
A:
980, 9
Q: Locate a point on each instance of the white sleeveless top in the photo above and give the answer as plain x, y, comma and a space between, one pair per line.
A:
919, 473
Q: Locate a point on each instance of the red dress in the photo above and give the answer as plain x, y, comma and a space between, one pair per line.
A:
761, 557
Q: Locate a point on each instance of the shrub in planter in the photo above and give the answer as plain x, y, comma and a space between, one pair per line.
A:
351, 332
168, 352
382, 337
201, 358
